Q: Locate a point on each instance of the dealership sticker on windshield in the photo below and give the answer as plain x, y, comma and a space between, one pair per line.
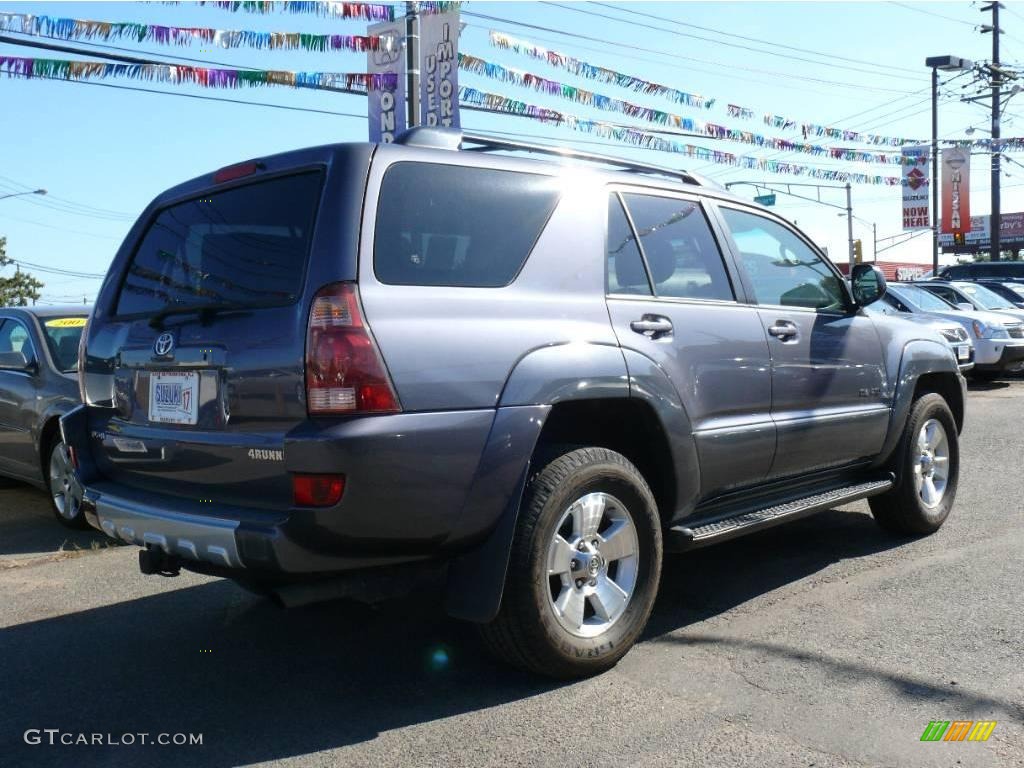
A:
173, 397
66, 322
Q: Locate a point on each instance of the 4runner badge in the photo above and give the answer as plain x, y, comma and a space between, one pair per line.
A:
262, 454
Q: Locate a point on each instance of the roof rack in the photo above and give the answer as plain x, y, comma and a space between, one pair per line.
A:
448, 138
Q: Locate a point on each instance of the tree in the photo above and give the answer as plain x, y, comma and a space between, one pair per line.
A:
19, 289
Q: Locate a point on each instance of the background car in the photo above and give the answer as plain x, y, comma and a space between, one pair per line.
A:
998, 338
1012, 292
997, 270
38, 385
954, 334
967, 295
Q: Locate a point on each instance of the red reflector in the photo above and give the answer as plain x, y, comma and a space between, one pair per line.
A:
317, 490
73, 455
231, 172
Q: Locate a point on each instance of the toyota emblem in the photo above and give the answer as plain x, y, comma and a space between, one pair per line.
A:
164, 344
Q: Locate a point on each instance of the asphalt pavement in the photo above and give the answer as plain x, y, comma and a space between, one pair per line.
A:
826, 642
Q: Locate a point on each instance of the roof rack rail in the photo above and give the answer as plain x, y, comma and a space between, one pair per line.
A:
449, 138
484, 143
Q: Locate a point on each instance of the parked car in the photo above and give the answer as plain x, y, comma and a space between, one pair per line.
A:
998, 338
997, 270
967, 295
322, 371
954, 334
1012, 292
38, 385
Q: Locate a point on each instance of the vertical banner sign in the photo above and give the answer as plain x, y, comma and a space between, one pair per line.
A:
439, 69
916, 188
956, 174
387, 106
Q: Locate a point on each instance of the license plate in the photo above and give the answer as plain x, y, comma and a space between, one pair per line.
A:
174, 397
963, 353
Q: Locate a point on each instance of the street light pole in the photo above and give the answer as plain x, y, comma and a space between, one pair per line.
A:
849, 223
18, 194
997, 83
935, 171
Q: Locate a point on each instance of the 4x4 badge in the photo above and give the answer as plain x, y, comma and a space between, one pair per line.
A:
164, 344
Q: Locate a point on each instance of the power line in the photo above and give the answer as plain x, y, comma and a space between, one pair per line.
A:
729, 45
748, 39
936, 15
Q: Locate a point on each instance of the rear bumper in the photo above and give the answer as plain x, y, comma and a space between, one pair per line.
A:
418, 486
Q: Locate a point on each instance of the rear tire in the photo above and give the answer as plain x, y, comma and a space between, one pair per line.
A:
927, 461
583, 570
63, 487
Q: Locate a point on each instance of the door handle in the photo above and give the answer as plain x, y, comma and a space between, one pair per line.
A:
783, 329
652, 326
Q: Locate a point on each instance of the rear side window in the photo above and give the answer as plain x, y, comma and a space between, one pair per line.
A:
246, 246
681, 252
458, 226
626, 273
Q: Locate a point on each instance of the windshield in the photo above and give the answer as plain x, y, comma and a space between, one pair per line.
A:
62, 337
1016, 288
921, 299
983, 296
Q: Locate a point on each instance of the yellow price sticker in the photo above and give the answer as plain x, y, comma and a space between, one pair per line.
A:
67, 322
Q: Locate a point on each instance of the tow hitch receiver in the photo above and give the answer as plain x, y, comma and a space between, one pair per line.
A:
156, 561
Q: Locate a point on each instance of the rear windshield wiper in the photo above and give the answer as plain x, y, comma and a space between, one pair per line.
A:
205, 311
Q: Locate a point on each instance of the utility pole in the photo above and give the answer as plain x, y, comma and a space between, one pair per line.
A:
849, 224
874, 241
412, 64
935, 171
997, 83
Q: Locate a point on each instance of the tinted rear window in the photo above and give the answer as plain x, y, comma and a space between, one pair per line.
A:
246, 246
458, 226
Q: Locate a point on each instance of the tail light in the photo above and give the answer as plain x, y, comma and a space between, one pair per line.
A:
344, 370
317, 490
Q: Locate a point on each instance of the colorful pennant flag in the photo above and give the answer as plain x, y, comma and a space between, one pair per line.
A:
332, 9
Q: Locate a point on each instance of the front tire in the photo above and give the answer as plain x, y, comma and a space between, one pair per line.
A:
64, 489
584, 567
929, 469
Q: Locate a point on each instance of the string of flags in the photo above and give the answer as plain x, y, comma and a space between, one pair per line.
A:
582, 96
330, 9
181, 74
593, 72
84, 29
640, 138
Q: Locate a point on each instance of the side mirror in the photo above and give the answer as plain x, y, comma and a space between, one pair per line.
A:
966, 306
868, 284
16, 361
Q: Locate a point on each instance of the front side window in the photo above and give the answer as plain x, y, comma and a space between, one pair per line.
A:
783, 270
681, 252
243, 247
452, 225
14, 338
946, 293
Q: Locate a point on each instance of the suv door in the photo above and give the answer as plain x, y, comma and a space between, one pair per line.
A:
17, 401
674, 298
830, 397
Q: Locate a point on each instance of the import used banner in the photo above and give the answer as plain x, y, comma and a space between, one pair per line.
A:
956, 176
439, 69
916, 188
387, 105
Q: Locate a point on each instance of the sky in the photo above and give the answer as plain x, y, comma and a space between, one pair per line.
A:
103, 153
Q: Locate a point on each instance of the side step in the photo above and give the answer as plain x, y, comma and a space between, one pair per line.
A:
681, 537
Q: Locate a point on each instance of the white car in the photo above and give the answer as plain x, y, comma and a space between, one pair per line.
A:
954, 334
998, 338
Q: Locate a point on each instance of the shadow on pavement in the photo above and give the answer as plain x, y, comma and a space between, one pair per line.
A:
261, 684
28, 526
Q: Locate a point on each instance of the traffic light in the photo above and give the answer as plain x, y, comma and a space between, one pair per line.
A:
858, 252
959, 239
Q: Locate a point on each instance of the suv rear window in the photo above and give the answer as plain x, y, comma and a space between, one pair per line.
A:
458, 226
246, 246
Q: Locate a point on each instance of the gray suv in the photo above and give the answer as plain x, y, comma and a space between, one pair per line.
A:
324, 372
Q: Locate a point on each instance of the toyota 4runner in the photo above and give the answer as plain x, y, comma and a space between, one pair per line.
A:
318, 371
